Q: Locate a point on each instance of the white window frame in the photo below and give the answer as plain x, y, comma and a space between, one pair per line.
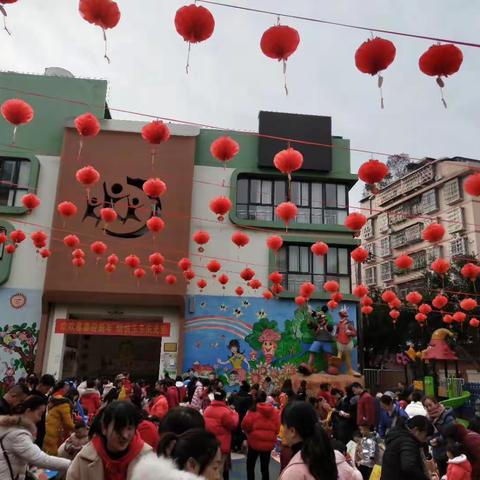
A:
368, 231
382, 222
371, 275
384, 249
429, 206
433, 253
451, 191
455, 220
386, 271
370, 247
458, 246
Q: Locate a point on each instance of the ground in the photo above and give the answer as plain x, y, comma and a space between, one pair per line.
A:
239, 469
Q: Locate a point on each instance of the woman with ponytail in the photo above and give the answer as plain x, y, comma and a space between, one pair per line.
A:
314, 458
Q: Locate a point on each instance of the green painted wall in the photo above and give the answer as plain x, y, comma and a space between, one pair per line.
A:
6, 261
44, 135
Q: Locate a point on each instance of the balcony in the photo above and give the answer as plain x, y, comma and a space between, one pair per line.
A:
407, 236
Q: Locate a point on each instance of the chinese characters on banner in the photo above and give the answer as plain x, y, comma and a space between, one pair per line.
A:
107, 327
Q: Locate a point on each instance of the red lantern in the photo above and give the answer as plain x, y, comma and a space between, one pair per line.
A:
214, 266
78, 253
414, 298
240, 239
274, 243
30, 201
388, 296
276, 289
71, 241
359, 255
108, 215
366, 301
113, 259
39, 239
472, 185
420, 317
67, 209
287, 211
155, 133
319, 249
201, 284
255, 284
171, 279
88, 177
433, 232
394, 314
374, 56
17, 236
195, 24
367, 310
307, 289
280, 42
448, 319
220, 206
45, 253
155, 224
439, 301
17, 112
154, 188
459, 317
440, 266
331, 286
184, 264
224, 149
247, 274
425, 308
78, 262
300, 300
470, 271
468, 304
156, 270
189, 275
98, 248
404, 262
156, 259
275, 277
267, 295
355, 221
239, 291
441, 61
201, 238
110, 267
87, 125
474, 322
288, 161
132, 261
332, 305
139, 273
103, 13
10, 248
372, 172
360, 291
223, 280
395, 303
3, 238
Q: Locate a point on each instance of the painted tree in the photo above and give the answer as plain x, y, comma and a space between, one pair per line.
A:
265, 337
20, 340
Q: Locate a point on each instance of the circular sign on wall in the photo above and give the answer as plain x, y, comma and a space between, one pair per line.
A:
18, 300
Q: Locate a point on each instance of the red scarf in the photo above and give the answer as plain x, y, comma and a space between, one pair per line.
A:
117, 469
435, 412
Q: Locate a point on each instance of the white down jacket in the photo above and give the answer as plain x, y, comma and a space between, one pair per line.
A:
151, 467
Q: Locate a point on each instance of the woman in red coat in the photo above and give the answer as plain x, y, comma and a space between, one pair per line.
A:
222, 420
261, 425
159, 405
470, 442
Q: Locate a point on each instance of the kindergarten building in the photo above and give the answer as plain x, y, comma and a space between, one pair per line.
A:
85, 321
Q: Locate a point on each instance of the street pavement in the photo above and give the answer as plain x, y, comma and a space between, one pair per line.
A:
239, 468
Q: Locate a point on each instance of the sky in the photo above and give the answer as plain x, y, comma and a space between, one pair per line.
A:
230, 79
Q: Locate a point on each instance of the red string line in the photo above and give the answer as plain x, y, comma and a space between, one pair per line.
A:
345, 25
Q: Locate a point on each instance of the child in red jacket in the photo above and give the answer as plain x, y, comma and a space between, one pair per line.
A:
459, 468
222, 420
261, 425
90, 399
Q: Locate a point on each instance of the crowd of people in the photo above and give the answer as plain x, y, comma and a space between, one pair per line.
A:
188, 428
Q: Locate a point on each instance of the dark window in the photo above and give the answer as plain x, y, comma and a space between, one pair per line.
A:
299, 265
14, 178
317, 203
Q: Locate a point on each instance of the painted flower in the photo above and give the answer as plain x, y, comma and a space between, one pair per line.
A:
223, 307
261, 314
289, 369
246, 303
203, 304
238, 312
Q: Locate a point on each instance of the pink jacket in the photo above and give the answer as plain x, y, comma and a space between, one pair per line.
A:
345, 470
296, 470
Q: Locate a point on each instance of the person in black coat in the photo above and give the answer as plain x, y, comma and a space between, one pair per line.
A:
403, 458
44, 387
345, 417
242, 401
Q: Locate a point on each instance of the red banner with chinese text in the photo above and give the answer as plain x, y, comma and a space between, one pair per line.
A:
108, 327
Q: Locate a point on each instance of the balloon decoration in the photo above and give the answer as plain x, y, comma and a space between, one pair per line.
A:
468, 304
87, 125
17, 112
372, 172
220, 206
195, 24
274, 243
359, 254
103, 13
374, 56
88, 177
319, 249
213, 267
472, 185
30, 201
287, 211
240, 239
288, 161
440, 301
439, 61
155, 133
201, 238
404, 262
440, 266
280, 42
355, 221
71, 241
433, 233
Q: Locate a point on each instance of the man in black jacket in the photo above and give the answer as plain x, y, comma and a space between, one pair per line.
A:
45, 385
14, 397
403, 458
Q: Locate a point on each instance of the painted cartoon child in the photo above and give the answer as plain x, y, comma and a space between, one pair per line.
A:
344, 336
236, 359
323, 342
269, 339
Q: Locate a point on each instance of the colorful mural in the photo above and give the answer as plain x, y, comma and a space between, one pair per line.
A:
19, 326
240, 338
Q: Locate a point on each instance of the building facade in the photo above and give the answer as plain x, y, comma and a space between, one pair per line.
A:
89, 322
398, 213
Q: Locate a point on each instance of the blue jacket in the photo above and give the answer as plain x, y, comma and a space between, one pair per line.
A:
388, 421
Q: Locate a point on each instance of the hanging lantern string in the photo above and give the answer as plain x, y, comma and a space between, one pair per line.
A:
441, 84
4, 13
380, 84
105, 56
340, 24
187, 66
